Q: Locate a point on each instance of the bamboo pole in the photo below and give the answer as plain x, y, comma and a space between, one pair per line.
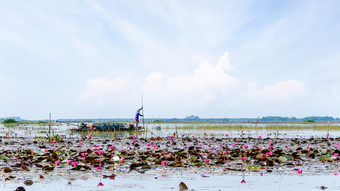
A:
49, 125
327, 130
143, 111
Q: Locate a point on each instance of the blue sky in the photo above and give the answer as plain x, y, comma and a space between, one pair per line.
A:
80, 59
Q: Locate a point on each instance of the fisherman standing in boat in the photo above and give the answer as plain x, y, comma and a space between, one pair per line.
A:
137, 116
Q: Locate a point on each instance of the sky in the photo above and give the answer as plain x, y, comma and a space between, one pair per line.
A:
223, 59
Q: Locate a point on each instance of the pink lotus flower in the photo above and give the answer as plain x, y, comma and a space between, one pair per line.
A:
122, 160
98, 167
57, 163
79, 143
53, 141
83, 159
243, 158
271, 146
210, 151
225, 152
186, 147
90, 136
45, 150
134, 141
52, 148
96, 145
133, 136
69, 161
164, 163
148, 141
287, 148
100, 152
206, 161
218, 152
220, 145
335, 154
111, 147
84, 154
245, 146
269, 153
75, 163
243, 181
200, 145
100, 184
299, 171
226, 135
202, 154
233, 145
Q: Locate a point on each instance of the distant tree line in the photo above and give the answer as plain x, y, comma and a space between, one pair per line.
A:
15, 118
195, 118
294, 119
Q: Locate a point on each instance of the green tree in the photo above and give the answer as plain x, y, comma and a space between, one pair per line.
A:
9, 121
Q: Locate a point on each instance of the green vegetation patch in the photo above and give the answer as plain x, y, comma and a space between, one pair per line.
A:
8, 121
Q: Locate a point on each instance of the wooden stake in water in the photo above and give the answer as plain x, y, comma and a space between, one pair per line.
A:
143, 111
327, 130
49, 126
257, 121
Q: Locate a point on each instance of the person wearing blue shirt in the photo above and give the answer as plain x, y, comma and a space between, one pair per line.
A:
137, 116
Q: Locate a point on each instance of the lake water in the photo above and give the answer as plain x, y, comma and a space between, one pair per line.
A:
193, 180
169, 179
168, 129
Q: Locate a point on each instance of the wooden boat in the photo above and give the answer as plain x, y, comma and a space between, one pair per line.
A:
106, 126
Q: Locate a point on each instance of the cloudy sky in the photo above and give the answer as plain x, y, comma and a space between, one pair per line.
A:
81, 59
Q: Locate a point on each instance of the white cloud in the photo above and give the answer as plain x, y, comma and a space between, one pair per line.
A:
284, 91
205, 85
153, 83
207, 88
103, 91
207, 78
224, 62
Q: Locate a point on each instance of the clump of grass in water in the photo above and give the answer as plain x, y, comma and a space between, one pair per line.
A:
267, 127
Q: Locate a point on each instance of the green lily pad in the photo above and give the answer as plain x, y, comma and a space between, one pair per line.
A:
324, 157
282, 159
